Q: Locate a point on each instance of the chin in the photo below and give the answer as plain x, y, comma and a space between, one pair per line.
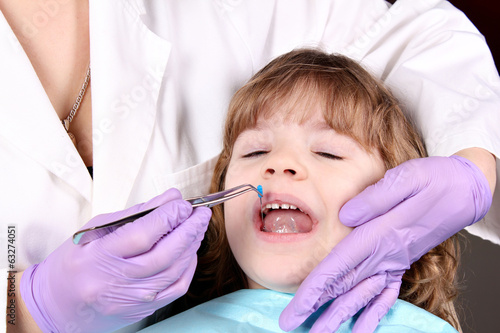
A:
292, 289
289, 287
282, 280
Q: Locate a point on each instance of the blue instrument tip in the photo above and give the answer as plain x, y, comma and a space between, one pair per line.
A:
261, 192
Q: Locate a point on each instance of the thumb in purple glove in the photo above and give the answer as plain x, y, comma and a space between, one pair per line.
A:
415, 207
438, 181
121, 277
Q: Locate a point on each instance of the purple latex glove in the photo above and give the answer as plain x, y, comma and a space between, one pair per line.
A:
415, 207
121, 277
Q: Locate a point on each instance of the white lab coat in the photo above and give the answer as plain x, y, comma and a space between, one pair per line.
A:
164, 71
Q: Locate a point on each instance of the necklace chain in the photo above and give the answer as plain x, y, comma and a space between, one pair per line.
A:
76, 106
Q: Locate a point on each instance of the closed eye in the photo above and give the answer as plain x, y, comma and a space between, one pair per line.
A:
328, 155
255, 153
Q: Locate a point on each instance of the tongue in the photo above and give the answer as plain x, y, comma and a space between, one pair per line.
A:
287, 221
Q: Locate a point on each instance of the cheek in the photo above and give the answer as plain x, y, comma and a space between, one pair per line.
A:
233, 209
338, 233
236, 174
362, 177
341, 190
334, 230
231, 228
236, 223
239, 235
377, 169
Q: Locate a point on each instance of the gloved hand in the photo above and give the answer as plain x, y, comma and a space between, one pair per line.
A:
121, 277
415, 207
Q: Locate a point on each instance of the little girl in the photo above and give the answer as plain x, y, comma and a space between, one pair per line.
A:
313, 129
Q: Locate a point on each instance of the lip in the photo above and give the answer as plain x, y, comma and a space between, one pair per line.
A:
282, 237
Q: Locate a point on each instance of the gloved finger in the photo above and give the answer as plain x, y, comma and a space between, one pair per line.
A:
337, 273
129, 290
157, 299
186, 238
141, 235
347, 305
377, 309
315, 291
169, 294
169, 195
181, 285
147, 295
173, 281
397, 185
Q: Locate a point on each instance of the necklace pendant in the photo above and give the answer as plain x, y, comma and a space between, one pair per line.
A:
65, 123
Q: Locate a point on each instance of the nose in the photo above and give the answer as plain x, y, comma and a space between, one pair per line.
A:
284, 163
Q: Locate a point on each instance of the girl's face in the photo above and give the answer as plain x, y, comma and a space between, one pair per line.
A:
307, 171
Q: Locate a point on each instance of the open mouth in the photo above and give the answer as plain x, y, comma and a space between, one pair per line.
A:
285, 218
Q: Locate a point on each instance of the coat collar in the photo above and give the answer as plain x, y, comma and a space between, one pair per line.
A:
129, 61
28, 120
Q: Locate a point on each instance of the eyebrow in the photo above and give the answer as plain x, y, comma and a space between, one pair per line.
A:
322, 126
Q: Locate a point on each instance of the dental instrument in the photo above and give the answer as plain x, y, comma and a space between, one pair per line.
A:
87, 235
261, 194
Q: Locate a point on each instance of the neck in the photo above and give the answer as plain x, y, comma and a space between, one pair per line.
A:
55, 37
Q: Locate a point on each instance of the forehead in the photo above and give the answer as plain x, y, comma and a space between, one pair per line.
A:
295, 112
296, 107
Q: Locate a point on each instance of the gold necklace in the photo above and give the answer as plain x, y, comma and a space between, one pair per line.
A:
76, 106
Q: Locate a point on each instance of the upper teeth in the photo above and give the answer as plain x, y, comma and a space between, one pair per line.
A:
281, 206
